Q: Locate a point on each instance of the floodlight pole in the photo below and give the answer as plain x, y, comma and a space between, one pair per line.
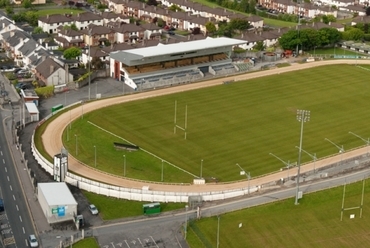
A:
186, 220
95, 155
367, 141
76, 145
162, 172
201, 168
218, 231
89, 61
287, 165
247, 174
341, 150
124, 165
312, 156
302, 116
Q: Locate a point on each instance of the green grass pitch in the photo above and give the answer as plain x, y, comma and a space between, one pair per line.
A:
315, 222
239, 123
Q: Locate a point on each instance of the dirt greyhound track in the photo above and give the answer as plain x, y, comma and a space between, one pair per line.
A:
52, 137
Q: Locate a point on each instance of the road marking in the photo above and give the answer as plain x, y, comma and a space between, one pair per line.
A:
9, 241
17, 207
24, 231
1, 153
127, 243
140, 242
112, 244
13, 197
119, 244
20, 218
10, 186
8, 178
6, 231
6, 170
3, 161
154, 241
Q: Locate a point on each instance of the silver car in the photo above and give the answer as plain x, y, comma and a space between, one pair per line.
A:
33, 241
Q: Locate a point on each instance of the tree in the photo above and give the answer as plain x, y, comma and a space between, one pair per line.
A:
260, 46
152, 2
352, 33
252, 7
72, 27
9, 10
175, 8
309, 38
27, 4
289, 40
38, 30
97, 63
210, 27
72, 53
332, 36
239, 24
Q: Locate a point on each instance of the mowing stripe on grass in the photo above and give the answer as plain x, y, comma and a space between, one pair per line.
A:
115, 135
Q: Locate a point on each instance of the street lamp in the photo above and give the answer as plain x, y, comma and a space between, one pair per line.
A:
76, 145
367, 141
95, 155
341, 150
247, 174
312, 156
201, 168
287, 164
124, 165
89, 60
302, 116
186, 219
218, 231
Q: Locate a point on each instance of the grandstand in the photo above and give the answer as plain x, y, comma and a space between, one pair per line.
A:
172, 64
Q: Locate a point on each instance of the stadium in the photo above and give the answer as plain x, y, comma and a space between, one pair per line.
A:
173, 64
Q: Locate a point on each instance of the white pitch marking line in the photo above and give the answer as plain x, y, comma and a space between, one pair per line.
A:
154, 241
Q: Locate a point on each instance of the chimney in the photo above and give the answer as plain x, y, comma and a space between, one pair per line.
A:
111, 46
279, 30
189, 13
313, 24
242, 35
143, 5
78, 14
329, 23
43, 58
12, 33
166, 11
47, 16
51, 69
3, 25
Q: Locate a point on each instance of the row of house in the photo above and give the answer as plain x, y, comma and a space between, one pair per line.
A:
183, 20
317, 7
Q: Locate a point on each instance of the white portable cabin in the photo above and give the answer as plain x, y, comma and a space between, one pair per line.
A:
57, 202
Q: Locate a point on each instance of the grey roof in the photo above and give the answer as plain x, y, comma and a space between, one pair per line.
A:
208, 43
39, 56
28, 47
56, 194
14, 40
47, 67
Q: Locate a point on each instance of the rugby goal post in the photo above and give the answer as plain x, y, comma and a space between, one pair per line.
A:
175, 120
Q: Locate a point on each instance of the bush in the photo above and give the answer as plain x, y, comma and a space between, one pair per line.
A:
45, 92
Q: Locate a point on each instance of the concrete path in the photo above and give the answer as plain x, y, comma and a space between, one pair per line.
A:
52, 137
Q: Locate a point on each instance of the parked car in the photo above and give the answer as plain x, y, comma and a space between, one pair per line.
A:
32, 241
93, 209
171, 32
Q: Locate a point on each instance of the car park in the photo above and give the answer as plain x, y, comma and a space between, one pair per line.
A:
32, 241
93, 209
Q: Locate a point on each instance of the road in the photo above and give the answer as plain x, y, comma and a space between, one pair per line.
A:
16, 222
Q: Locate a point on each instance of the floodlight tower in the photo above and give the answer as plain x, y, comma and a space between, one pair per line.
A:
302, 116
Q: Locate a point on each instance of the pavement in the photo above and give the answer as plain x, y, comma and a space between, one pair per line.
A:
49, 235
